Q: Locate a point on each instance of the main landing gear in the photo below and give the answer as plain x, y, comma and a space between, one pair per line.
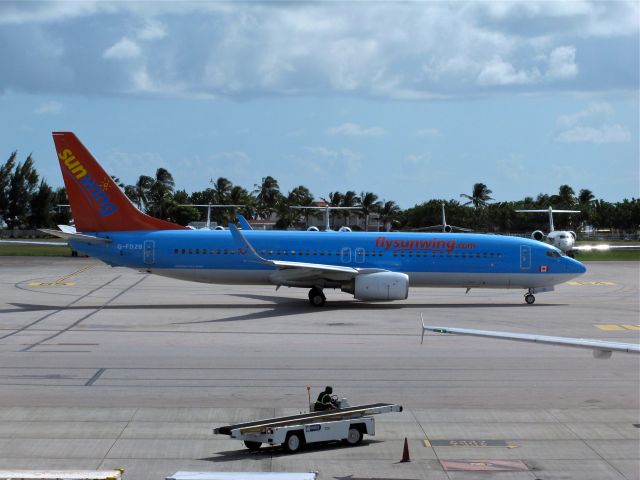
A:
316, 297
529, 298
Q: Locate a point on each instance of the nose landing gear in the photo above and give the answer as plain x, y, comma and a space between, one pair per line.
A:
316, 297
529, 298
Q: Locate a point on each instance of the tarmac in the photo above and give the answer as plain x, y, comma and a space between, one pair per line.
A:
107, 367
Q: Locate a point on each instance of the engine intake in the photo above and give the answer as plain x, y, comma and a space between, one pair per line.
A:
380, 286
538, 235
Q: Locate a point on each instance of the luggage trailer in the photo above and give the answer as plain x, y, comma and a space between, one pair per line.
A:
349, 424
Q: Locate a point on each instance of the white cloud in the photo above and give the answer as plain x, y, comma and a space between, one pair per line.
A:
393, 50
605, 134
353, 129
499, 72
152, 30
562, 63
49, 108
595, 111
591, 125
123, 49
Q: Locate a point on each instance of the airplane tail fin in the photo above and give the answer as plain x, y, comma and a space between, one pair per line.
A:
97, 203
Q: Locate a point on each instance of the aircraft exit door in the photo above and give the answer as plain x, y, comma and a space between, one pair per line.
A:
149, 252
525, 257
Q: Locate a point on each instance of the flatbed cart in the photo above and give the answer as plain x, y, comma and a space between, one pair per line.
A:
349, 424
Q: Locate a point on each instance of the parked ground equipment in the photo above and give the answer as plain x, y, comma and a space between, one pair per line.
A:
349, 424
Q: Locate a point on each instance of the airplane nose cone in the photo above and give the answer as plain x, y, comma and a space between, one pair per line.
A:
574, 266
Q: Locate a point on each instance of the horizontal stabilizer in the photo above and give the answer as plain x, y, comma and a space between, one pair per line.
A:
77, 236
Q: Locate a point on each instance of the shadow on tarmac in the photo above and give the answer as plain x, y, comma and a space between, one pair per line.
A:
278, 451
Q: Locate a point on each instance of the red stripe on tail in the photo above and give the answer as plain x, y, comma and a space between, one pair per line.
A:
97, 204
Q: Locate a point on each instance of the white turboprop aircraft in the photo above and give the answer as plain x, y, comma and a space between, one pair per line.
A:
602, 349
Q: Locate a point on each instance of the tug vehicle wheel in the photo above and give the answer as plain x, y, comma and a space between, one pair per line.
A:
253, 446
294, 442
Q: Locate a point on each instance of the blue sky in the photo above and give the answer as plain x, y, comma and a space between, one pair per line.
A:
409, 100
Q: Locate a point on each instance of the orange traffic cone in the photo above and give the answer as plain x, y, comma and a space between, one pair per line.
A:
405, 452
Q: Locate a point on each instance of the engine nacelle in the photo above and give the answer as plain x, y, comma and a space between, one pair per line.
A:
344, 229
447, 229
313, 229
381, 286
538, 235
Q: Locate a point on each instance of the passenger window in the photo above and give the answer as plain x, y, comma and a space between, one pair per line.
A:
184, 251
175, 251
224, 251
190, 251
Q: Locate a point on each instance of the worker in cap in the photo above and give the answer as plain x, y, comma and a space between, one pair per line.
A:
325, 401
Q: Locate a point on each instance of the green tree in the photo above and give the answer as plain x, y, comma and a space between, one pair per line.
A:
389, 213
479, 197
267, 196
160, 194
41, 207
6, 172
22, 186
349, 199
368, 204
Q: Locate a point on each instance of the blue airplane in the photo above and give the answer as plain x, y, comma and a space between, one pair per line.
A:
371, 266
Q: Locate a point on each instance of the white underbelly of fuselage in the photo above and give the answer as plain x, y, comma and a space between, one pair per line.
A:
416, 279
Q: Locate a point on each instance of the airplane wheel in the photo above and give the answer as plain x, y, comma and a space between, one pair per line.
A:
316, 297
530, 299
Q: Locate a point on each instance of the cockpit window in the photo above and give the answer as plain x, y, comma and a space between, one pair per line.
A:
554, 254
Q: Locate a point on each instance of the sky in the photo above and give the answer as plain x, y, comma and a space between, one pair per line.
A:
409, 100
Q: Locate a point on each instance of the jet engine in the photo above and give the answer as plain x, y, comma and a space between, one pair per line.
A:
447, 229
538, 235
379, 286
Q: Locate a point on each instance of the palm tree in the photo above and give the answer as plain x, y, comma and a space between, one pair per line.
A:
585, 197
350, 199
566, 196
222, 188
142, 189
161, 193
301, 196
267, 195
368, 204
389, 212
240, 196
479, 197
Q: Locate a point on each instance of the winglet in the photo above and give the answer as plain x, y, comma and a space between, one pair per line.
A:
243, 223
243, 244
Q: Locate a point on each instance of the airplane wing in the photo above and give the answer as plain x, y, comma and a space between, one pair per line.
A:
68, 235
33, 242
601, 348
292, 272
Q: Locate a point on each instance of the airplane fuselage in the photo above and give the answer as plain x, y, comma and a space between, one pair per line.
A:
439, 259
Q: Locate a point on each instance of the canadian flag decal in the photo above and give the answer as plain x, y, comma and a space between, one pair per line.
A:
543, 269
